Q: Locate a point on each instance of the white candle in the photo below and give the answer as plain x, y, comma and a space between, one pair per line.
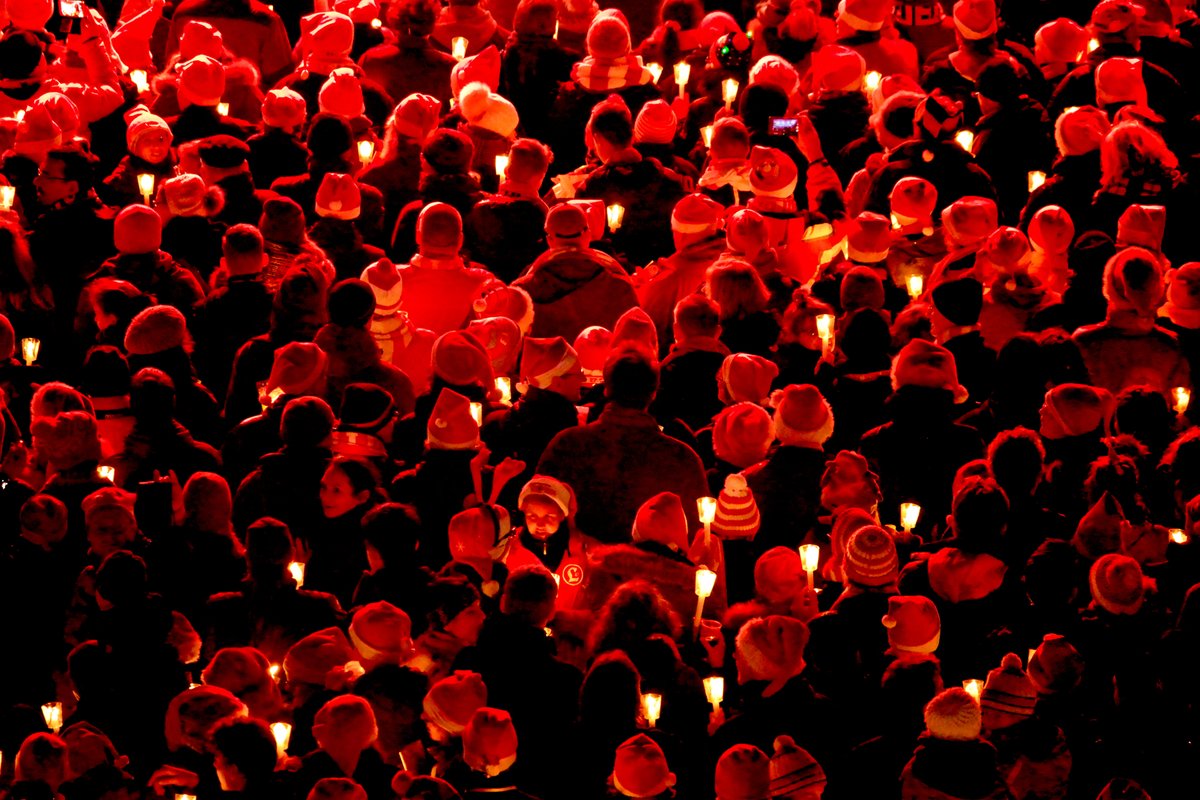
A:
706, 580
825, 332
706, 507
729, 90
458, 47
29, 350
146, 186
810, 557
615, 215
652, 707
714, 690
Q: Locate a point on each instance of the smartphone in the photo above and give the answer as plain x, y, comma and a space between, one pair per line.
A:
153, 506
784, 126
71, 14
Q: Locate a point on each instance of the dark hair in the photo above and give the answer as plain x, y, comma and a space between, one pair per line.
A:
697, 315
121, 578
398, 685
630, 378
242, 240
247, 744
362, 474
529, 591
613, 124
152, 394
394, 530
1144, 414
610, 695
448, 596
79, 164
1017, 458
980, 513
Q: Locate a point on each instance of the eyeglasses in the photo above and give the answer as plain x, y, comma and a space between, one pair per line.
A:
43, 176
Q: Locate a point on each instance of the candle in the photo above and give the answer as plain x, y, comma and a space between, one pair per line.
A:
146, 186
282, 732
974, 687
7, 195
615, 215
916, 285
52, 714
895, 222
1036, 178
366, 152
107, 473
30, 349
714, 690
965, 139
909, 514
138, 76
501, 166
810, 556
1093, 44
825, 332
477, 413
706, 579
20, 115
706, 507
185, 797
872, 80
1182, 397
655, 70
652, 707
274, 671
296, 569
377, 23
223, 109
458, 47
683, 73
556, 30
706, 135
1029, 657
504, 387
729, 90
1178, 535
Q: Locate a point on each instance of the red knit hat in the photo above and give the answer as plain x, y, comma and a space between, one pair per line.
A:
298, 370
1117, 584
871, 558
339, 197
381, 633
483, 67
869, 239
742, 433
501, 338
1074, 409
640, 768
743, 773
1008, 695
864, 15
1142, 226
953, 716
451, 702
137, 230
608, 37
794, 772
744, 377
772, 172
416, 117
439, 231
661, 519
1051, 230
490, 742
837, 68
656, 124
1060, 41
635, 327
802, 415
201, 82
779, 575
512, 302
968, 221
200, 39
1055, 666
451, 426
923, 363
156, 329
543, 360
1099, 530
697, 213
1008, 250
913, 624
737, 514
342, 95
975, 19
1134, 281
593, 346
326, 35
913, 201
862, 287
67, 439
313, 658
772, 649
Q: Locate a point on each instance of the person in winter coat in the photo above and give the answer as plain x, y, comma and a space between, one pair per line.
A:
534, 63
504, 231
412, 64
863, 27
446, 178
190, 231
622, 459
689, 373
277, 150
396, 170
336, 230
349, 489
252, 31
951, 760
1074, 176
839, 111
438, 271
201, 85
242, 78
469, 20
149, 140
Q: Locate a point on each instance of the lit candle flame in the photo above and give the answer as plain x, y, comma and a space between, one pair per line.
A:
872, 80
296, 569
810, 556
458, 47
274, 671
1182, 397
1179, 536
707, 508
504, 387
825, 327
714, 690
223, 109
8, 194
140, 80
282, 732
501, 166
52, 714
683, 73
107, 473
655, 70
1093, 45
729, 90
146, 186
965, 139
615, 215
377, 23
366, 152
1036, 179
706, 580
652, 707
974, 687
30, 349
916, 285
706, 135
909, 514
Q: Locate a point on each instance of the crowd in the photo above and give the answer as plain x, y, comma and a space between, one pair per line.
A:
522, 398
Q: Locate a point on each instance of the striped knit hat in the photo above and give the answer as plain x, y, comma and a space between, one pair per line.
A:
1009, 695
794, 772
737, 513
871, 558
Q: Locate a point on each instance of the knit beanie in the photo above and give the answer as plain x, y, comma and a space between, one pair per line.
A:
661, 519
743, 773
779, 575
953, 716
1009, 696
381, 633
66, 439
306, 422
794, 772
155, 330
140, 122
1055, 665
338, 197
913, 624
745, 378
640, 769
313, 658
742, 434
608, 37
737, 514
870, 558
485, 109
656, 124
187, 196
1117, 584
802, 416
452, 701
137, 230
490, 742
923, 363
451, 426
1074, 409
848, 483
772, 649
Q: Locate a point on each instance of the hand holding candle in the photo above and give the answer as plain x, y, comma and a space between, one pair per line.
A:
706, 580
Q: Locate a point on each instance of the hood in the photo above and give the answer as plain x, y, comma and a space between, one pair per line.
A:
562, 271
958, 576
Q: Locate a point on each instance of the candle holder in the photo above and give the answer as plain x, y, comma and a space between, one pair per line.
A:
910, 513
52, 713
1035, 179
916, 285
810, 557
714, 690
30, 348
477, 413
501, 166
706, 581
615, 215
366, 152
146, 187
683, 73
974, 687
296, 570
652, 707
458, 47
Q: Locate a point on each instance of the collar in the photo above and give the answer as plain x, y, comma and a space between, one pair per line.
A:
425, 262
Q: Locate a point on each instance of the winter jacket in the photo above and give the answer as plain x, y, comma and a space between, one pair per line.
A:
531, 69
672, 573
410, 66
153, 273
787, 488
121, 188
439, 294
687, 384
201, 122
283, 486
223, 322
505, 233
250, 30
667, 281
195, 243
574, 288
276, 154
438, 487
525, 430
884, 53
1125, 351
949, 770
1010, 143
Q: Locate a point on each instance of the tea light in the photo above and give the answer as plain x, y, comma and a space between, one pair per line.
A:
916, 285
706, 508
655, 70
146, 186
872, 80
965, 139
706, 135
477, 413
282, 731
8, 194
501, 166
223, 109
52, 714
366, 152
909, 514
1036, 179
1178, 535
615, 215
504, 387
652, 707
683, 73
714, 690
30, 349
1182, 397
296, 570
974, 688
107, 473
458, 47
729, 90
138, 76
810, 556
706, 580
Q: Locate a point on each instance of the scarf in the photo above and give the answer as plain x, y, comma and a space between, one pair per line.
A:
596, 75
